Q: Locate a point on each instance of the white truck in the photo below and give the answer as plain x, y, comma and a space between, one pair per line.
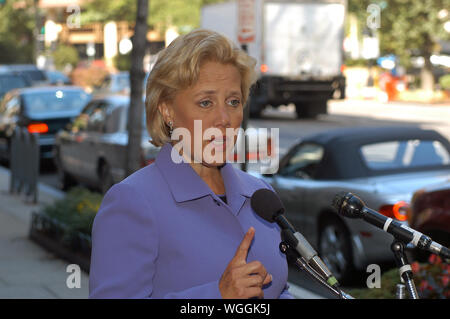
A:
298, 46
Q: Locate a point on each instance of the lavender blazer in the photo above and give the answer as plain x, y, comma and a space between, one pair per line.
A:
162, 233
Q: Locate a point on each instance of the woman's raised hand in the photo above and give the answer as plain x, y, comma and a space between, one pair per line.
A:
241, 279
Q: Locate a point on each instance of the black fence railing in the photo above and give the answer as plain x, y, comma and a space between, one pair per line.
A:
24, 164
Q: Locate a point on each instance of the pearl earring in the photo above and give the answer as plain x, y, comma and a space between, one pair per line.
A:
170, 128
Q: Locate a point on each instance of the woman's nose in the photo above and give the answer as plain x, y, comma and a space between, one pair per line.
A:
223, 116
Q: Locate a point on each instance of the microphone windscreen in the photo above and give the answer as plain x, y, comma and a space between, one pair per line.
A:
338, 200
266, 204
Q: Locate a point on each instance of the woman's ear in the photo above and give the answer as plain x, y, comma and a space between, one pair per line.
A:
166, 112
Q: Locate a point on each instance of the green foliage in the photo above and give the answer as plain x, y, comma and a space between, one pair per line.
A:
76, 211
432, 281
64, 55
123, 62
107, 10
389, 281
16, 33
180, 13
408, 27
358, 62
444, 82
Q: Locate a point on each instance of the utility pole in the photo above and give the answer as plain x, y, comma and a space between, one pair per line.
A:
246, 11
244, 165
137, 75
38, 37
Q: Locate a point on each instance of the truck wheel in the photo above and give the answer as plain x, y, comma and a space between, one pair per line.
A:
311, 110
255, 109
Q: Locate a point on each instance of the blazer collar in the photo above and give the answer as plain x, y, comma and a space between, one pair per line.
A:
185, 184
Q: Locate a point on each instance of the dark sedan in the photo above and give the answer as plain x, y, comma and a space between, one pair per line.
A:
92, 150
383, 166
430, 213
33, 74
11, 81
42, 110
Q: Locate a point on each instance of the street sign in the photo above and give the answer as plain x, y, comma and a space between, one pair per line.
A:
246, 21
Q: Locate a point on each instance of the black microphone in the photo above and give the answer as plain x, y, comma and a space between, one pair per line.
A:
269, 207
350, 205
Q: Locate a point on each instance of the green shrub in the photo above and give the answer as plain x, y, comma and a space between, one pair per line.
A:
432, 281
444, 82
433, 278
389, 281
76, 212
64, 55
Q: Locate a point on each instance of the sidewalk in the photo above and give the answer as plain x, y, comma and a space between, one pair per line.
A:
27, 270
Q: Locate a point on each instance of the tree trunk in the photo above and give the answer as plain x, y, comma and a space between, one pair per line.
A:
426, 75
137, 75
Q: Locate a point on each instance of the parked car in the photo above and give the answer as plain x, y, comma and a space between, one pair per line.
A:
92, 150
382, 165
57, 78
117, 83
35, 75
430, 214
42, 110
10, 81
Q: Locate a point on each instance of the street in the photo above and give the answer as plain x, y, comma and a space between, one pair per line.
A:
341, 113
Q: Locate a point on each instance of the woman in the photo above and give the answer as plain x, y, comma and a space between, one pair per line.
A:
183, 226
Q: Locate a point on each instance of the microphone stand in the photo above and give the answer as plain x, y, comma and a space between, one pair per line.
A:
294, 256
406, 275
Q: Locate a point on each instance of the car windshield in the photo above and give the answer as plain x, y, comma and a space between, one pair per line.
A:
36, 75
59, 101
394, 155
116, 83
11, 82
55, 77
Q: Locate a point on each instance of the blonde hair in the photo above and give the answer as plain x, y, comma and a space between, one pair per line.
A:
177, 68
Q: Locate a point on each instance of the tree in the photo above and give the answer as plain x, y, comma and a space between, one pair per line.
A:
408, 28
180, 13
136, 78
16, 32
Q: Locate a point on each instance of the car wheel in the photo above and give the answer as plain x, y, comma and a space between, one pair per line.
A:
335, 249
65, 181
106, 179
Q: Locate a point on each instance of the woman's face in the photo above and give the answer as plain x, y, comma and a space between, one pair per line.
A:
214, 102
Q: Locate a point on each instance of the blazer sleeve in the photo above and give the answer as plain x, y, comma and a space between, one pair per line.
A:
125, 248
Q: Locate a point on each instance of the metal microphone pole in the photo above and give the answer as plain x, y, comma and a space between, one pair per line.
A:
293, 255
398, 248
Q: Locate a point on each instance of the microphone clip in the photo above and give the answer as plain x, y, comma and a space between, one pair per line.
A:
293, 257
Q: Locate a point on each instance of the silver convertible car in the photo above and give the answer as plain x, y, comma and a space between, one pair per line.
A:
383, 166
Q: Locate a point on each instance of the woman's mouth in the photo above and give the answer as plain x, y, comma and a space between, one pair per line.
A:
219, 143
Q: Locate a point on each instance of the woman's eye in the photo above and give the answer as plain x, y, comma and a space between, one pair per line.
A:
205, 103
234, 102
